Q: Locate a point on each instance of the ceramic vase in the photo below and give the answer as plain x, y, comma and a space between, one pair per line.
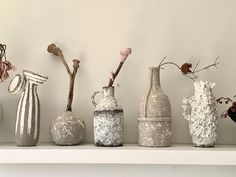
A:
27, 127
67, 129
108, 120
154, 115
200, 111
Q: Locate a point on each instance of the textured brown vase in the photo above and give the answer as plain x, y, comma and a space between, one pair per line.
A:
154, 119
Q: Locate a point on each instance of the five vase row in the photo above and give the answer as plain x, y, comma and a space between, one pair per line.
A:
154, 115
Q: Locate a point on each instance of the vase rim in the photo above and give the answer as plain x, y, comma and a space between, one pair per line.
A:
154, 67
34, 77
35, 74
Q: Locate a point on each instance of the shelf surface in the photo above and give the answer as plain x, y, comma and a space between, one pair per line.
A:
128, 154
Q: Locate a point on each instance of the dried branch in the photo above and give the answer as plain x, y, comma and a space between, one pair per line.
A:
5, 66
3, 48
52, 48
196, 66
207, 67
231, 109
186, 68
111, 81
224, 99
124, 53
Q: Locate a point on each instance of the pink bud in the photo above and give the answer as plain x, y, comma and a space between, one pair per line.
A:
124, 53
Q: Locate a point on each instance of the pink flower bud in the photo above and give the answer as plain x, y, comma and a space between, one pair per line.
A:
124, 53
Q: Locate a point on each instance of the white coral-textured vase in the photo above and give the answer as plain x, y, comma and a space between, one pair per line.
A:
200, 111
154, 116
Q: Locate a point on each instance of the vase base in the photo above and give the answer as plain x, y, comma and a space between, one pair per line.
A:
204, 145
74, 144
155, 146
26, 145
108, 145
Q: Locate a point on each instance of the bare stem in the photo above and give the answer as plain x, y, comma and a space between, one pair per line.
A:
71, 90
3, 48
212, 65
219, 100
111, 81
172, 63
56, 51
65, 64
190, 72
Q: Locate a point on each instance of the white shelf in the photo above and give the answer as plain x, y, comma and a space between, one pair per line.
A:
128, 154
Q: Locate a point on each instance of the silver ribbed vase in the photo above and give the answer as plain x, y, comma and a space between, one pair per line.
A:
28, 112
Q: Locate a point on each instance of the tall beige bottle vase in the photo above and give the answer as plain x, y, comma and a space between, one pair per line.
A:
154, 115
27, 127
108, 120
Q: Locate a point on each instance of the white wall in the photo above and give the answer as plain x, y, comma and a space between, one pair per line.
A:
94, 32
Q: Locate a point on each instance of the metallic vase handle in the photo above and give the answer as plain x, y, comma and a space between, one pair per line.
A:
93, 97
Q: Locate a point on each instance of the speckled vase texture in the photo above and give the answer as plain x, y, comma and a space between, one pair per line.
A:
108, 120
200, 111
28, 111
154, 115
67, 129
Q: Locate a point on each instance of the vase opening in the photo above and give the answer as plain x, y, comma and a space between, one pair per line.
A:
34, 78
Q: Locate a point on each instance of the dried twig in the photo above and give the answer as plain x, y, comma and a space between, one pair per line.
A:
52, 48
124, 53
186, 68
231, 109
5, 66
207, 67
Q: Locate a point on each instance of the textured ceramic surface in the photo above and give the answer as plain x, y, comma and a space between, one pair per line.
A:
28, 110
68, 129
200, 111
108, 120
154, 116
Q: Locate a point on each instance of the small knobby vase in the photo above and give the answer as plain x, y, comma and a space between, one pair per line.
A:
200, 111
154, 116
27, 127
108, 120
67, 129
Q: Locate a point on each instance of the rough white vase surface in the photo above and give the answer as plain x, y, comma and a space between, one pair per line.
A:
68, 129
200, 111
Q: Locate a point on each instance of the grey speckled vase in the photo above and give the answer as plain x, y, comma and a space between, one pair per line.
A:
28, 111
67, 129
108, 120
154, 117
